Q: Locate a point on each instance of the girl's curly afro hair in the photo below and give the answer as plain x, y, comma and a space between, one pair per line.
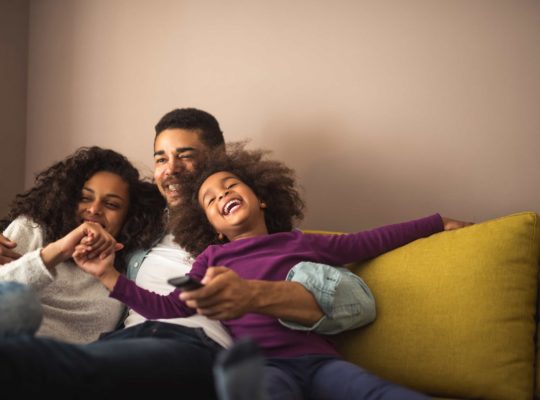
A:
52, 201
271, 181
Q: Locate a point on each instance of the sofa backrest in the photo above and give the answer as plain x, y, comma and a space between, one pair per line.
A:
456, 312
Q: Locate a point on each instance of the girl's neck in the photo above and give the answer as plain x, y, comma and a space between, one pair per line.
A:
248, 234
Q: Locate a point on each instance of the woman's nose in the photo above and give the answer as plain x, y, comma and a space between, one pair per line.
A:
94, 208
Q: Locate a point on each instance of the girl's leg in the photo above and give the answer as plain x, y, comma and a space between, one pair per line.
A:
279, 385
238, 372
341, 380
242, 373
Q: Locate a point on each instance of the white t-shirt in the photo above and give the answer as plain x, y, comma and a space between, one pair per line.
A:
168, 260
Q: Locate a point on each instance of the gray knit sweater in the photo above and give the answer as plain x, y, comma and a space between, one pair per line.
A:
76, 306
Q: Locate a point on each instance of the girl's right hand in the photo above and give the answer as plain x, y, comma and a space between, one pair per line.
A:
101, 267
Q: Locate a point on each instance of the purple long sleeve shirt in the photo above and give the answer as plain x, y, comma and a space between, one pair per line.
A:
270, 257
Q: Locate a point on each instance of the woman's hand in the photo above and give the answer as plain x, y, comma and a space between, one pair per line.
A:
94, 237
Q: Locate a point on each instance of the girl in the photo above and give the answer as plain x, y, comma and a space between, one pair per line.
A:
94, 194
238, 211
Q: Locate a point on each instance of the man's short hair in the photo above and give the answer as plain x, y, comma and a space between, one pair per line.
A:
193, 119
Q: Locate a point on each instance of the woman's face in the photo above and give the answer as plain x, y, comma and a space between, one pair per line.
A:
104, 200
231, 206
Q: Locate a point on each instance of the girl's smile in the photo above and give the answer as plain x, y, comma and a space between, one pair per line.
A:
232, 208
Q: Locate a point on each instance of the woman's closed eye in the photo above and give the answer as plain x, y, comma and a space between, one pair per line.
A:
113, 206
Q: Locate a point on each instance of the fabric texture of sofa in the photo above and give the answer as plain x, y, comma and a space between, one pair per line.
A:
456, 312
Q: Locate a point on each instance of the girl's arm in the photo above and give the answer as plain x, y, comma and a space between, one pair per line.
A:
147, 303
360, 246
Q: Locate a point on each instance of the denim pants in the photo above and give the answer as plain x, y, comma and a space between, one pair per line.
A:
327, 378
20, 309
149, 359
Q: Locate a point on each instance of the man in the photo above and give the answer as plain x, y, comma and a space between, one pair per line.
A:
132, 360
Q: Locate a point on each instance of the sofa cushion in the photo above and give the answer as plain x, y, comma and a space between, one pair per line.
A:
455, 312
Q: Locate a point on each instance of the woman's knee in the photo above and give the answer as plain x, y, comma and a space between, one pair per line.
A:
20, 309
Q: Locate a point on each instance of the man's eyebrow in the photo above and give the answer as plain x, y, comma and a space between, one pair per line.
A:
178, 150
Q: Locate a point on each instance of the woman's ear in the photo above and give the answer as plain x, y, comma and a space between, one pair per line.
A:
220, 236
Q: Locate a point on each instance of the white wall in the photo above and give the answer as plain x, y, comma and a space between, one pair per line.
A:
388, 110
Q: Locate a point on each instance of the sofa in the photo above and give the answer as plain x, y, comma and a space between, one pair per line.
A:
456, 312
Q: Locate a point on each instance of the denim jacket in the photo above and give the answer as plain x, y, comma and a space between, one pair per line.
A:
343, 296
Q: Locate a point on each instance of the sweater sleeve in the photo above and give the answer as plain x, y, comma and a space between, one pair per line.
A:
360, 246
29, 269
150, 304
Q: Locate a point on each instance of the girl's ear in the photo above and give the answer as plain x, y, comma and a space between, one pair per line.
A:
263, 204
221, 237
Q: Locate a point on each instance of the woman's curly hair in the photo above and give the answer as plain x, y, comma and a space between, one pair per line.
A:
53, 200
271, 181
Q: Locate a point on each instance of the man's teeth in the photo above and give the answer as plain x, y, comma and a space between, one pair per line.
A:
173, 187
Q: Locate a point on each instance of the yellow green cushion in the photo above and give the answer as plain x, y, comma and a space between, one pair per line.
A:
455, 312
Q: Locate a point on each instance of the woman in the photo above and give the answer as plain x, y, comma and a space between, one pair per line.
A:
95, 193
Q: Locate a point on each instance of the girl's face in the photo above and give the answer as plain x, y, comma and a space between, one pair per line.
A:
231, 206
104, 200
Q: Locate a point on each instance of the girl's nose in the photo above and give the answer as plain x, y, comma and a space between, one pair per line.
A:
223, 194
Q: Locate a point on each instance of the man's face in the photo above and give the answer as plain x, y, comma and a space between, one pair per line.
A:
174, 150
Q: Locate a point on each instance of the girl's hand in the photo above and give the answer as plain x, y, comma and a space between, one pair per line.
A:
101, 267
98, 241
450, 224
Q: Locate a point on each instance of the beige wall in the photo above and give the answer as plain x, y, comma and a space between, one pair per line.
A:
389, 110
13, 62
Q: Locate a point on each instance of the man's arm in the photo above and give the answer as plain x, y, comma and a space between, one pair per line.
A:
6, 250
300, 302
346, 300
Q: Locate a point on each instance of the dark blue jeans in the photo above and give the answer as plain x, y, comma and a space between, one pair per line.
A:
150, 359
324, 378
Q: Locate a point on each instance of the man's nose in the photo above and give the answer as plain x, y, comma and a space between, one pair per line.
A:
173, 166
